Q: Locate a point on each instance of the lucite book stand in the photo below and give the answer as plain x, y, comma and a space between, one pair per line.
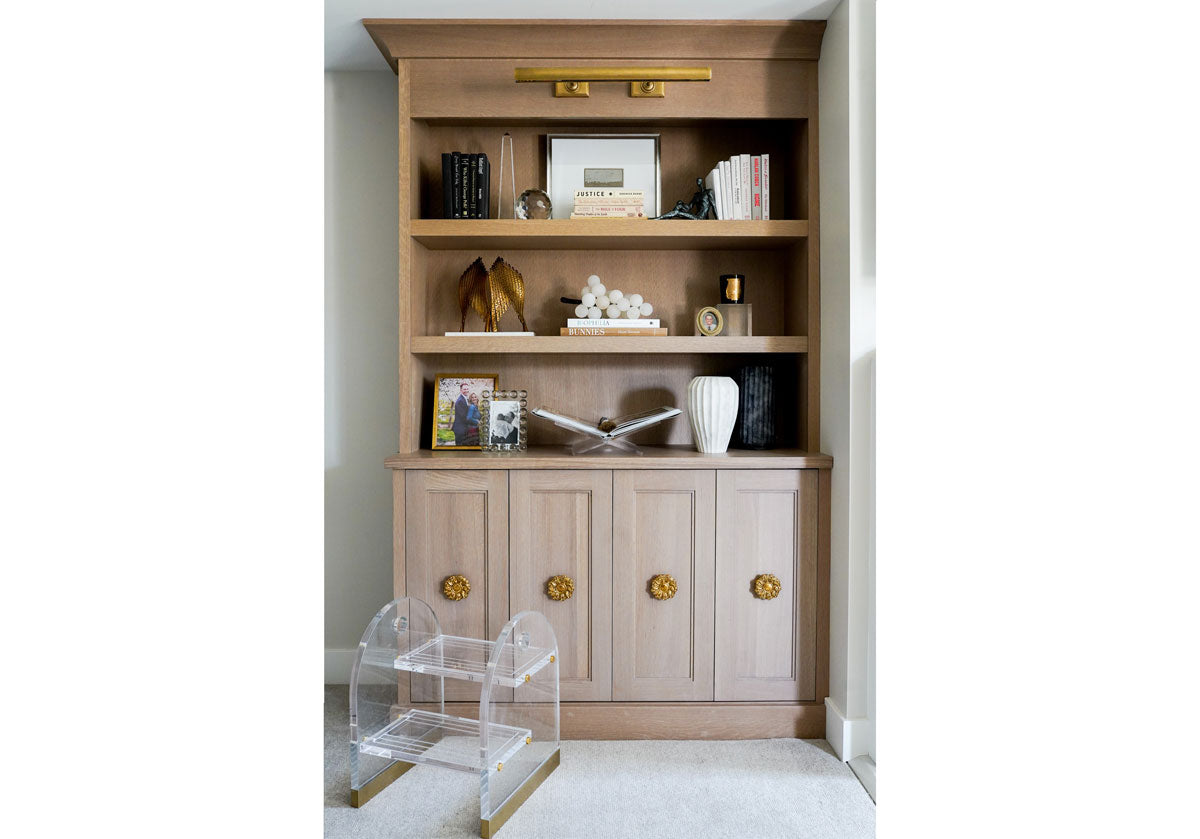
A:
398, 712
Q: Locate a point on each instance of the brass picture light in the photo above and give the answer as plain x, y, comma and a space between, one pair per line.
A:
643, 81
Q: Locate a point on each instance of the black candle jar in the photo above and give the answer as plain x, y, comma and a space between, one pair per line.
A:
733, 288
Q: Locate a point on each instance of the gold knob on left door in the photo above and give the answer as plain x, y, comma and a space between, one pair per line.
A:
456, 587
560, 587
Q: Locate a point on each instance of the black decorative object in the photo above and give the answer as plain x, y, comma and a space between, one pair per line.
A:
755, 426
733, 288
699, 208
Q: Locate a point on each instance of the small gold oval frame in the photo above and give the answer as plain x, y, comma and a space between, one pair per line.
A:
767, 586
456, 587
663, 587
715, 313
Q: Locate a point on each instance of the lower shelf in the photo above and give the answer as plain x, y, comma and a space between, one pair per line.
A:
443, 740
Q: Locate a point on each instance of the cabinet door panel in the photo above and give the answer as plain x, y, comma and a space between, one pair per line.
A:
663, 524
561, 523
457, 523
766, 524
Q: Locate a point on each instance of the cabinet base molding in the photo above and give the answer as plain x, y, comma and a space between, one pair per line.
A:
681, 720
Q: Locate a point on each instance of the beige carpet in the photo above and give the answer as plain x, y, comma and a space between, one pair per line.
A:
616, 789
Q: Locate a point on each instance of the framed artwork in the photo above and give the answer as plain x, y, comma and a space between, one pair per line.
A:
505, 421
589, 161
709, 321
457, 410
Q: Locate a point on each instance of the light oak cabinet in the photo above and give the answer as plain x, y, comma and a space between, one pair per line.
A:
663, 524
766, 525
560, 526
633, 664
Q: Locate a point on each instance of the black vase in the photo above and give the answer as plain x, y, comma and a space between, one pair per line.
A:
755, 426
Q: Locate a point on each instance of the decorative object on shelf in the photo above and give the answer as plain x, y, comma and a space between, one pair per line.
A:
698, 208
560, 587
598, 308
456, 587
456, 409
601, 161
712, 410
733, 288
767, 586
643, 81
534, 204
709, 321
504, 419
607, 431
512, 170
663, 587
389, 734
755, 427
490, 292
738, 319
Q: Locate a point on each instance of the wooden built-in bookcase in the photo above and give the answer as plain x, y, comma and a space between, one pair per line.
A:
456, 91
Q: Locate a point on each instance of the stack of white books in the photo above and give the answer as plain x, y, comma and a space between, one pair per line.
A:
609, 203
641, 327
741, 187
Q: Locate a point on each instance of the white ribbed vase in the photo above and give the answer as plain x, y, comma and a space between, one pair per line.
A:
712, 410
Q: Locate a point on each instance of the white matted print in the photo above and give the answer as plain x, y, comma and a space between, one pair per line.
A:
586, 161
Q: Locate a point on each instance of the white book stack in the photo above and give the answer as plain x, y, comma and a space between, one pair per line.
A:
742, 187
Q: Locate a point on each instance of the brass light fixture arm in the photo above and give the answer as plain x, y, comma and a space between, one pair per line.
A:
644, 82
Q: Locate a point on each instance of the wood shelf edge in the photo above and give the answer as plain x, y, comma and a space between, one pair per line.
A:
655, 457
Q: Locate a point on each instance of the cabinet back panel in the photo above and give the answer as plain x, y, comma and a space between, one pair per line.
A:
676, 283
686, 151
591, 387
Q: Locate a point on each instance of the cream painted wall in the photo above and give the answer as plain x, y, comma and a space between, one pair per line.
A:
847, 144
361, 388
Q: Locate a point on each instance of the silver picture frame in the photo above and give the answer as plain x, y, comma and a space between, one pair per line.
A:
592, 147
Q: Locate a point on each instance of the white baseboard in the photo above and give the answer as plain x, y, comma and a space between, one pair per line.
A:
864, 767
338, 664
849, 738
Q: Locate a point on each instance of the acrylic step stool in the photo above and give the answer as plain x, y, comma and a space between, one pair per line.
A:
398, 712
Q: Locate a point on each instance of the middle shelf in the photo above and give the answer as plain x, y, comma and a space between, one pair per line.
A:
699, 344
467, 658
444, 740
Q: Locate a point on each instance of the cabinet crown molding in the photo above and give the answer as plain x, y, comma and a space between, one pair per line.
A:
632, 40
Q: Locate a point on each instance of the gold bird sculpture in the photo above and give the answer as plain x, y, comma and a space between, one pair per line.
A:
489, 292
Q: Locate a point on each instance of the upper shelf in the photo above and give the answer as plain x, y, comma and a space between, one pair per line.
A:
612, 234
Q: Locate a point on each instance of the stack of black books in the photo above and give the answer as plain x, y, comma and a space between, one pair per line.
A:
465, 192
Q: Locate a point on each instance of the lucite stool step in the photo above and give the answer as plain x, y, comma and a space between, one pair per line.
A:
443, 740
467, 658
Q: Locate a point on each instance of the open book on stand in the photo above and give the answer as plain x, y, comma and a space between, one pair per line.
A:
609, 428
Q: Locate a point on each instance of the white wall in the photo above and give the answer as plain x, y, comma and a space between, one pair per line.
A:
847, 146
361, 387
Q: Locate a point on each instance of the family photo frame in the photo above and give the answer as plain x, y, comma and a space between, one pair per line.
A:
457, 410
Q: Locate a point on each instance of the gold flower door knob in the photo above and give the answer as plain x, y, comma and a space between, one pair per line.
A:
560, 587
767, 586
663, 587
456, 587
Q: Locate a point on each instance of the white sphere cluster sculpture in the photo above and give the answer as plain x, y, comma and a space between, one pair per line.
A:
599, 302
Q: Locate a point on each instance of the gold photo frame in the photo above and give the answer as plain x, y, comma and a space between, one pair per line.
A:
456, 427
709, 321
504, 422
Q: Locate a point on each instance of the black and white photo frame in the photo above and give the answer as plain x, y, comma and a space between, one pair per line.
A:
504, 421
